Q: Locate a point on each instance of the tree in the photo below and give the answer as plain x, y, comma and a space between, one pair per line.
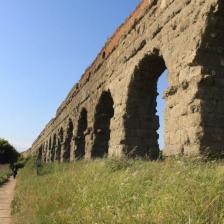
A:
8, 154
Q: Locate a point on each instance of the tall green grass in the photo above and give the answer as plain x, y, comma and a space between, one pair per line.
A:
5, 173
121, 191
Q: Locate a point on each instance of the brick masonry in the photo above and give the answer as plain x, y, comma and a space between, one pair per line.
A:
112, 110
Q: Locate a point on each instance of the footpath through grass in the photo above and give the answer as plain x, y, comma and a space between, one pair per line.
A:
121, 191
5, 173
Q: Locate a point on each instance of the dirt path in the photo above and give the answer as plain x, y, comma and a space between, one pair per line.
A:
6, 197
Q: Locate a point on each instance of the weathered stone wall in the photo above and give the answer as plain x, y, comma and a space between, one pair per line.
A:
211, 86
113, 108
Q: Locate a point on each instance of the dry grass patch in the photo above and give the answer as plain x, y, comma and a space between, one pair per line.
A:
121, 191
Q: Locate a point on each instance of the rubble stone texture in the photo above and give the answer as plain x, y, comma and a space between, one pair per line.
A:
112, 110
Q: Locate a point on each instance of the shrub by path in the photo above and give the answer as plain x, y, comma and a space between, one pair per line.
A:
5, 173
6, 197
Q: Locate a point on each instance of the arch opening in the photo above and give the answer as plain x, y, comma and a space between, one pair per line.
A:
80, 138
103, 114
45, 151
162, 85
141, 121
68, 140
60, 141
40, 153
53, 148
49, 150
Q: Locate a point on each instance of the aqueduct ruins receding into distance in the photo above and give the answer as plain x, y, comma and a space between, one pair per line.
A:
112, 110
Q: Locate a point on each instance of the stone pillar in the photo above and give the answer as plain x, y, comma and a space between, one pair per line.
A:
117, 136
89, 138
63, 148
182, 114
211, 87
72, 148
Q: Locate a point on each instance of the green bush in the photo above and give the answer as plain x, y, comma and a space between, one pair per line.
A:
5, 173
20, 163
8, 154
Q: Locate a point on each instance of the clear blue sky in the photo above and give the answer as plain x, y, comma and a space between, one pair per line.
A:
45, 45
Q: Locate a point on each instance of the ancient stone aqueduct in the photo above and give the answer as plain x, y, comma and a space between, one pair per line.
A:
112, 110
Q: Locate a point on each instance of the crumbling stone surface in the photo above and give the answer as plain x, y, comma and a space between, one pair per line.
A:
112, 110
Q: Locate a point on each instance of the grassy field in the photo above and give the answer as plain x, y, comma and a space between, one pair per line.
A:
121, 191
4, 173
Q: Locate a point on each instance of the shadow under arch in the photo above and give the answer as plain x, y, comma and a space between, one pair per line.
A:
53, 148
68, 140
45, 151
103, 114
80, 137
210, 57
141, 122
49, 150
59, 146
40, 153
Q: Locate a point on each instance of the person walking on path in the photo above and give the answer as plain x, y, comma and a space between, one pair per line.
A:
14, 172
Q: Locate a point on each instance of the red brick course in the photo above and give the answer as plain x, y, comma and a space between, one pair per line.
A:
111, 44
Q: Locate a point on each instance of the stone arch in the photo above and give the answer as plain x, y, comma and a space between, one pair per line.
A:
45, 151
80, 137
141, 122
68, 140
53, 148
49, 150
103, 114
40, 153
60, 142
